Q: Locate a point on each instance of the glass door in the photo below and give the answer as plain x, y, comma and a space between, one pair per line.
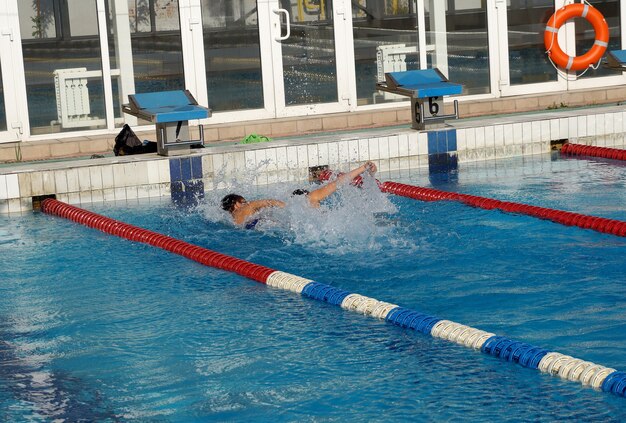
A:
584, 37
232, 56
524, 65
63, 65
303, 39
142, 52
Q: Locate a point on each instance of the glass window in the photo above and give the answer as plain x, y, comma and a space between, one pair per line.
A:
385, 40
139, 13
308, 55
585, 35
232, 55
62, 63
38, 19
156, 45
81, 24
457, 42
528, 61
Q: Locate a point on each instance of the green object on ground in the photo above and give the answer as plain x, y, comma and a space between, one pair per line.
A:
255, 138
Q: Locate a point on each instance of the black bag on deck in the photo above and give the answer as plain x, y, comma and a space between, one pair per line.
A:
127, 143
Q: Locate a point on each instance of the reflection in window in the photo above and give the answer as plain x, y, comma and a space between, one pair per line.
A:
232, 55
457, 42
156, 45
62, 65
139, 15
81, 23
37, 19
528, 61
385, 40
585, 35
308, 55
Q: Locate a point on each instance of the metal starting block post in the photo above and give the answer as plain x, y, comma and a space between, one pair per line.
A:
171, 112
426, 88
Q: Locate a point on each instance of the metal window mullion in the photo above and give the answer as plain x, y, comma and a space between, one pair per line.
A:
106, 63
421, 34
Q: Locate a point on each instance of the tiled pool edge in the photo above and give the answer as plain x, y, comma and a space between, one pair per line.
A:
462, 141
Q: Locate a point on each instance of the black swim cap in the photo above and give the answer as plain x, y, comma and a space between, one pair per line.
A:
300, 192
228, 202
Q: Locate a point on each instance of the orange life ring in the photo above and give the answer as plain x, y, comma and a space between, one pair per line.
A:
576, 10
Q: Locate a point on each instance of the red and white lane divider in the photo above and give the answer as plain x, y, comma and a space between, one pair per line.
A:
593, 151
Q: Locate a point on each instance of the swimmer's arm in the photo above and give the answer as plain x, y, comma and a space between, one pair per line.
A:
250, 208
369, 166
319, 194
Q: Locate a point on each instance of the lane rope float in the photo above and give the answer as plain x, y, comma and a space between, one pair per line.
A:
593, 151
584, 372
550, 38
599, 224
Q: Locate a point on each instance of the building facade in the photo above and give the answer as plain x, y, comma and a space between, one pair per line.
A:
69, 65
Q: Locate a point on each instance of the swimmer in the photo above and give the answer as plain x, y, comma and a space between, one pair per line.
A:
243, 211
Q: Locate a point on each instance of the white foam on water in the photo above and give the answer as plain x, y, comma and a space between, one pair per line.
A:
352, 219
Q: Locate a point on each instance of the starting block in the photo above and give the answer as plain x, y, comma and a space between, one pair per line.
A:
170, 111
616, 60
426, 88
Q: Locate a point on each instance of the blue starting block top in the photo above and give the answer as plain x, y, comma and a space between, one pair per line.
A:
422, 83
616, 59
165, 106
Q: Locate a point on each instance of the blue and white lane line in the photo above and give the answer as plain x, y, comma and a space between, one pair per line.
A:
526, 355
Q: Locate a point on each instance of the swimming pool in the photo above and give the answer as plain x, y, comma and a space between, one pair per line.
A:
99, 328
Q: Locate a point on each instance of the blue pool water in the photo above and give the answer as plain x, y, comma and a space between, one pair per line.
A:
95, 327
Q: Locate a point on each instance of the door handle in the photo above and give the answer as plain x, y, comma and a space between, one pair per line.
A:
286, 13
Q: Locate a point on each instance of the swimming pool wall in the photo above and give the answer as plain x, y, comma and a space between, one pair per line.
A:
185, 178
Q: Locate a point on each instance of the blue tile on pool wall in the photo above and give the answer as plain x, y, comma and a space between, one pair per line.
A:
196, 167
188, 193
443, 141
432, 143
185, 169
187, 187
175, 170
451, 140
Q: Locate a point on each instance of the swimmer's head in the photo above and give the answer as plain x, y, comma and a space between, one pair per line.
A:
300, 192
230, 201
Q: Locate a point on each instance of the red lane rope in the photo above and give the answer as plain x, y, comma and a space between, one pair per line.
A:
593, 151
134, 233
600, 224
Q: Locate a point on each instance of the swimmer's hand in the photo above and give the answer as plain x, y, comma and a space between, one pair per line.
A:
371, 167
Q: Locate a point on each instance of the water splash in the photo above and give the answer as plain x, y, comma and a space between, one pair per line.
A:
351, 220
